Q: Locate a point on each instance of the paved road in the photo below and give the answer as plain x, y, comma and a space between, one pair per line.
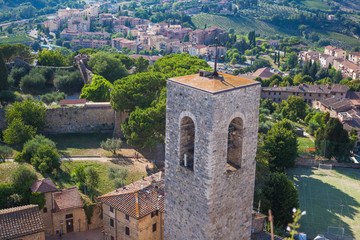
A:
95, 234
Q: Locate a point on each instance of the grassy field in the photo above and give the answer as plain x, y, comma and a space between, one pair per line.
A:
305, 143
63, 177
15, 39
80, 144
241, 25
316, 4
330, 198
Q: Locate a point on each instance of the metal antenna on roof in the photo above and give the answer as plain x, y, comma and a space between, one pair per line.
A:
215, 73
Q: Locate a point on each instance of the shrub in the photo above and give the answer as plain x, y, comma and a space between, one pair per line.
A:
5, 152
53, 97
112, 145
46, 159
18, 133
31, 147
33, 83
23, 178
68, 82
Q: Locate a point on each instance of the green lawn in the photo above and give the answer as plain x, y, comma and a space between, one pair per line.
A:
305, 143
330, 198
80, 144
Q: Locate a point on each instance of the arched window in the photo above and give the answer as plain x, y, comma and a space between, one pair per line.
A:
187, 142
235, 141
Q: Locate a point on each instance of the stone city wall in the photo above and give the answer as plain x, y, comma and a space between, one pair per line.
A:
79, 119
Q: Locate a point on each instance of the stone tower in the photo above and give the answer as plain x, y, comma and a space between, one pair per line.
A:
211, 141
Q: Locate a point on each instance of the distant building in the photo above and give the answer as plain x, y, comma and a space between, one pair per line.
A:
135, 211
354, 57
198, 50
336, 52
89, 43
22, 222
310, 93
120, 43
333, 105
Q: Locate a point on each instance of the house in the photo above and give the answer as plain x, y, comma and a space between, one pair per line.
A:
265, 73
306, 56
274, 43
347, 67
120, 43
63, 209
333, 105
89, 43
325, 60
211, 51
121, 29
67, 34
354, 57
52, 24
310, 93
78, 24
336, 52
23, 223
198, 50
135, 211
331, 17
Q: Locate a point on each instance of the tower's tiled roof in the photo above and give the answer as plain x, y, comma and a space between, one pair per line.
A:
20, 221
224, 82
44, 185
139, 198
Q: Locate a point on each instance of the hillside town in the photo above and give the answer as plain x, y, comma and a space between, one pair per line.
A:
180, 120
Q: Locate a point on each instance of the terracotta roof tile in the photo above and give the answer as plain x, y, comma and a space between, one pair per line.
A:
20, 221
43, 185
139, 198
305, 88
67, 199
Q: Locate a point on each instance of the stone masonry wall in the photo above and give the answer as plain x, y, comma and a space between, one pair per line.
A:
79, 119
209, 203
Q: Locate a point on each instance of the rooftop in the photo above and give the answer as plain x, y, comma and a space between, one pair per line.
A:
66, 199
20, 221
44, 185
224, 82
305, 88
139, 198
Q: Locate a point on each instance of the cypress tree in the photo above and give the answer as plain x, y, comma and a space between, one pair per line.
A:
4, 85
275, 58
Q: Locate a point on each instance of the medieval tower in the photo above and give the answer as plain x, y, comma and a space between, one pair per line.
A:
211, 141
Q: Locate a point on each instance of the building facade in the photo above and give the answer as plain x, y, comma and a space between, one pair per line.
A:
210, 170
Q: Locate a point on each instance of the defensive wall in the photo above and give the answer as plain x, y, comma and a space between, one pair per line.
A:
86, 118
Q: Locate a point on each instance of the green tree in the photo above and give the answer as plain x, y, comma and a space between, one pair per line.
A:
30, 112
6, 189
146, 127
5, 152
281, 143
51, 58
7, 97
141, 65
18, 133
22, 179
112, 145
333, 141
10, 51
31, 147
92, 178
16, 74
107, 66
280, 195
46, 159
68, 82
298, 105
138, 90
33, 83
291, 60
4, 84
98, 90
37, 198
179, 65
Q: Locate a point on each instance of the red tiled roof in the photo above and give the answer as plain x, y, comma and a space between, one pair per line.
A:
330, 47
20, 221
43, 185
72, 101
355, 53
139, 198
67, 199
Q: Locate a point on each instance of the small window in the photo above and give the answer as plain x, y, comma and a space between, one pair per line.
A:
127, 231
304, 94
274, 99
127, 217
325, 95
153, 214
45, 210
319, 95
279, 99
279, 93
342, 94
69, 216
293, 93
310, 94
111, 209
269, 93
187, 143
156, 213
274, 93
111, 222
112, 238
154, 227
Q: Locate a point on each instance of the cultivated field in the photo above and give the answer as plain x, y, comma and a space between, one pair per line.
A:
330, 198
